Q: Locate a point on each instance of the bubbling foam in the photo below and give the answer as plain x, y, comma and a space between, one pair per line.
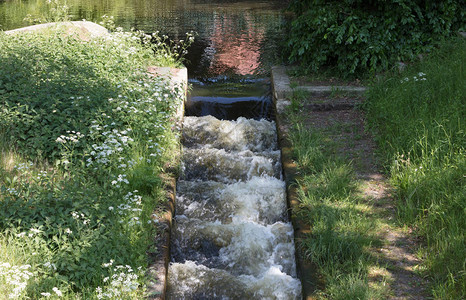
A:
261, 199
219, 165
242, 134
231, 238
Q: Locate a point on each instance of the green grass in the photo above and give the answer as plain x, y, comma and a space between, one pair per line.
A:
85, 134
343, 225
418, 118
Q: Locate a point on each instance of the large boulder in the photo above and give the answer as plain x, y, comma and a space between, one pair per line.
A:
84, 30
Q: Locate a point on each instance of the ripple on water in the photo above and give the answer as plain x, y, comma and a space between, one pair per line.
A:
228, 167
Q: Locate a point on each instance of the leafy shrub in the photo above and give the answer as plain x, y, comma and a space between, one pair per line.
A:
52, 86
357, 36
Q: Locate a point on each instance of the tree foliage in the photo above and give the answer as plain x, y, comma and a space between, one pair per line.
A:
360, 36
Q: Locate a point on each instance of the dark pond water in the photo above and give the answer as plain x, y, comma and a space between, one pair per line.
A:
236, 42
234, 37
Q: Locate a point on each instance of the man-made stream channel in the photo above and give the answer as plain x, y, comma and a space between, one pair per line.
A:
231, 237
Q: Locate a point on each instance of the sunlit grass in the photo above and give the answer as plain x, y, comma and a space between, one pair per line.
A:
343, 225
418, 121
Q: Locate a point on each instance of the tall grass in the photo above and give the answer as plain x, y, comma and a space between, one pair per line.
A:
419, 121
85, 134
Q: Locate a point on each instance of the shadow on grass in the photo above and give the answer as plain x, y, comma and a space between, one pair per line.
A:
47, 90
67, 218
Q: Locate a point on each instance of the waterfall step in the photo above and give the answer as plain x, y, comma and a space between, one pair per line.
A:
242, 134
257, 200
241, 248
228, 167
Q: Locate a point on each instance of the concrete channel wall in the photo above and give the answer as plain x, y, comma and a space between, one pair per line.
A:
158, 266
282, 93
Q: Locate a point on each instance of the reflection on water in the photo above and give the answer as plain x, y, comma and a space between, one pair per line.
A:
239, 51
235, 37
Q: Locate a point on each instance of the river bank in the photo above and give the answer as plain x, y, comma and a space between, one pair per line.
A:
87, 135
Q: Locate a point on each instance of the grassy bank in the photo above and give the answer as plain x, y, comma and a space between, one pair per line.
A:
418, 117
84, 135
344, 225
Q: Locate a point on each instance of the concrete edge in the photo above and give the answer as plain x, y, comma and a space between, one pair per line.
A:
305, 270
327, 90
282, 86
158, 267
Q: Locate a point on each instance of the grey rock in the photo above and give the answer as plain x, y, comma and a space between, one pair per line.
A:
84, 30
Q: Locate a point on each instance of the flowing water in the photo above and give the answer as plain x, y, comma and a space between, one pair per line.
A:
231, 236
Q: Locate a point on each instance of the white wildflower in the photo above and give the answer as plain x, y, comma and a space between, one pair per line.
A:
57, 291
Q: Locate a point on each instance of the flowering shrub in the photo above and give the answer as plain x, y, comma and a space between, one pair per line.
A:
88, 133
122, 282
167, 50
14, 279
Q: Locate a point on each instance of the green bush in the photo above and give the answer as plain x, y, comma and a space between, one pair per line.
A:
357, 37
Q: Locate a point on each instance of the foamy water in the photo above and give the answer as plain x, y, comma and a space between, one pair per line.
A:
231, 236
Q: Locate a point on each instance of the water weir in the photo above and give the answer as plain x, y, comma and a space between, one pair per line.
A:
231, 237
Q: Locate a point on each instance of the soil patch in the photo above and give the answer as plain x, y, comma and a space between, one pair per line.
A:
307, 81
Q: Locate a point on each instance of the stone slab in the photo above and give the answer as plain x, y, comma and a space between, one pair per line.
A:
281, 83
327, 90
85, 30
282, 89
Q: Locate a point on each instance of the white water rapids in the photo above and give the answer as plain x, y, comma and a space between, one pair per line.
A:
231, 238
